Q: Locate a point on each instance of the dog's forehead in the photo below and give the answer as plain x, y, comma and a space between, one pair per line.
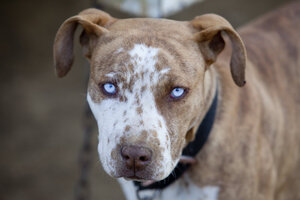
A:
157, 26
171, 42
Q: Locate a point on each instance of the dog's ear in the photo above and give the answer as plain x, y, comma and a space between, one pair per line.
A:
93, 22
211, 43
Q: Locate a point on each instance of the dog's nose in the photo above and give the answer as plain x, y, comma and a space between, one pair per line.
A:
136, 157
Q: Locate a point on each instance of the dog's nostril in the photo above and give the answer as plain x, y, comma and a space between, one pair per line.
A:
143, 158
136, 157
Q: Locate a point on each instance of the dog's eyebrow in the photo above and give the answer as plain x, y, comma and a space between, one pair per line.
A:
175, 80
118, 76
111, 74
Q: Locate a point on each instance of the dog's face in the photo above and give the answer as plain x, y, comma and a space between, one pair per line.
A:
149, 87
139, 93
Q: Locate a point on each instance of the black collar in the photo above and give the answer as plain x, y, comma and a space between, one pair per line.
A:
190, 150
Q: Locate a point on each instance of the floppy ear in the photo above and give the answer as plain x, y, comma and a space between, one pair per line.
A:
93, 22
211, 43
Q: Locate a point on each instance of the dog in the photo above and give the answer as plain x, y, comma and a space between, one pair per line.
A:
153, 82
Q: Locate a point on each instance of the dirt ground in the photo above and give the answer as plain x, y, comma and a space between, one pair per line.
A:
41, 115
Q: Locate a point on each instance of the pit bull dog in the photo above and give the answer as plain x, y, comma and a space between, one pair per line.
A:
153, 82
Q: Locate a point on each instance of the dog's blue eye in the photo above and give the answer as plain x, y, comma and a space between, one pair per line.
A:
110, 88
177, 93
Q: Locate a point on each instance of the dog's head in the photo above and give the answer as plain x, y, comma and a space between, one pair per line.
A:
150, 84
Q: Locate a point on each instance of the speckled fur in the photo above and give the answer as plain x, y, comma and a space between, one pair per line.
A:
253, 149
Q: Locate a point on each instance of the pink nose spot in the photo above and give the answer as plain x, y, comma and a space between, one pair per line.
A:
136, 158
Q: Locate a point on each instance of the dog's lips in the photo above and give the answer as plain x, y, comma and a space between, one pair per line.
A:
135, 178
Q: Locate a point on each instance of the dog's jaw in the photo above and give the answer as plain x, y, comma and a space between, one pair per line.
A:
137, 120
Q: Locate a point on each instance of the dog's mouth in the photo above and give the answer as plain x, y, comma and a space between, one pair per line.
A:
136, 178
146, 177
141, 176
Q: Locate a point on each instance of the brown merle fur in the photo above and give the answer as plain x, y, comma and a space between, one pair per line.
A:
253, 149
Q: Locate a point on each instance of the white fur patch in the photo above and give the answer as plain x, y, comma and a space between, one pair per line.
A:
111, 74
128, 189
192, 192
182, 189
113, 116
119, 50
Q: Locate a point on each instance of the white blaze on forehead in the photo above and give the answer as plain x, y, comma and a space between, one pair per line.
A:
113, 116
144, 59
145, 55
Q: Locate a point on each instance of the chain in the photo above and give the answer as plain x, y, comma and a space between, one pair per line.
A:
82, 189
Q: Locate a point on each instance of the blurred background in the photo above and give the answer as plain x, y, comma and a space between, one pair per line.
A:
42, 117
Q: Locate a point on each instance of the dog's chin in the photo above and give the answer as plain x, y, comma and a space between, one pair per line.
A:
133, 178
136, 178
142, 178
130, 175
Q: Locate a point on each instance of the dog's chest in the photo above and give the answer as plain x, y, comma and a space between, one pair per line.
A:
181, 189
